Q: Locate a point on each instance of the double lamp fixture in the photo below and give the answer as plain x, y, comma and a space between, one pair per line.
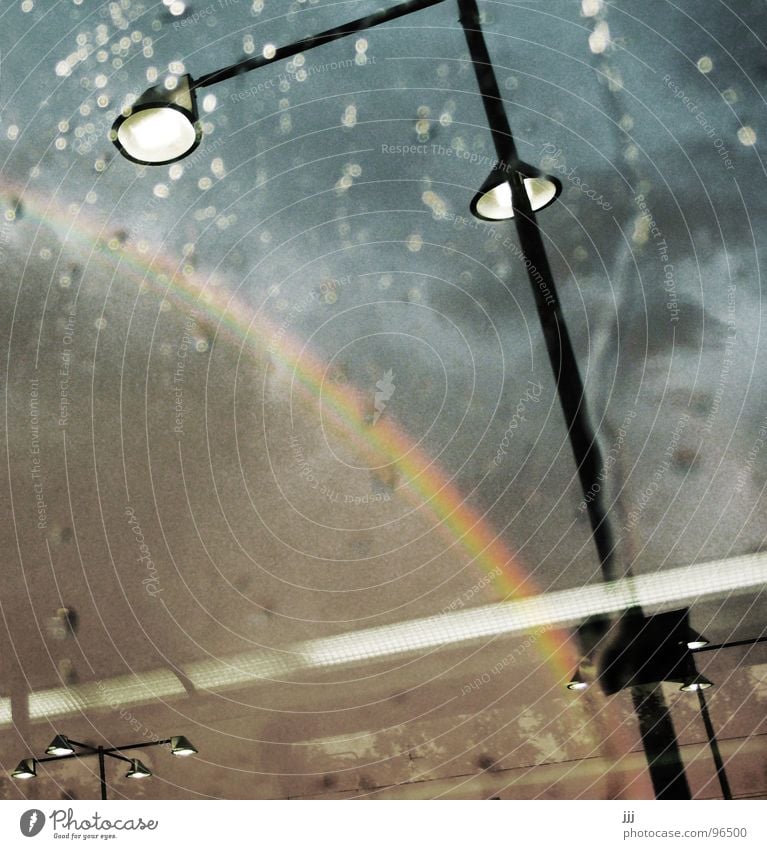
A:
162, 126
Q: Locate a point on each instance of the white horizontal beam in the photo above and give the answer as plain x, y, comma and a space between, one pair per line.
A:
667, 589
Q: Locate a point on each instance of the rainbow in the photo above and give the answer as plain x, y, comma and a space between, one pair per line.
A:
423, 482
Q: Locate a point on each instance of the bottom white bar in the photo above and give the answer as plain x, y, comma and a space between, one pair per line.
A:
383, 825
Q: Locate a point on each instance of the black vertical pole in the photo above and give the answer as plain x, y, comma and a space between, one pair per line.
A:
657, 729
660, 744
102, 773
714, 746
588, 456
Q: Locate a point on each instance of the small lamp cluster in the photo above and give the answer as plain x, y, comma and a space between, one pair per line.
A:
162, 126
691, 685
693, 682
61, 747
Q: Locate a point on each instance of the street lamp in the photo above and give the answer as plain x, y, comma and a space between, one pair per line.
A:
59, 747
181, 747
25, 769
161, 126
696, 682
137, 770
514, 190
577, 682
695, 640
493, 202
62, 748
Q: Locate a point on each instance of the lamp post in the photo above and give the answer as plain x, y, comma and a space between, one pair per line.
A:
516, 190
659, 740
162, 127
64, 748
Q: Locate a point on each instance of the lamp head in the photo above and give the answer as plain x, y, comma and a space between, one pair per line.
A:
696, 640
26, 769
137, 770
181, 747
60, 746
493, 202
577, 682
696, 682
162, 126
